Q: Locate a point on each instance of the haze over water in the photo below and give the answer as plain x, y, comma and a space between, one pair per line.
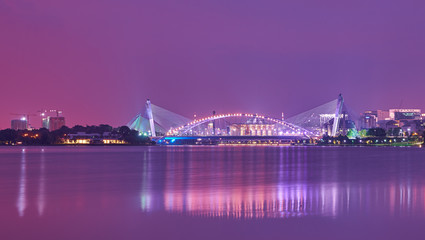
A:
212, 192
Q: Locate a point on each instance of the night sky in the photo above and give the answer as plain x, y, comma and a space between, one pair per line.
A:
98, 61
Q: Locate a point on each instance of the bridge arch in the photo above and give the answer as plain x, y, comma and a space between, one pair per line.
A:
184, 129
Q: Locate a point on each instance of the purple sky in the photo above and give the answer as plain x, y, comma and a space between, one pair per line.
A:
99, 60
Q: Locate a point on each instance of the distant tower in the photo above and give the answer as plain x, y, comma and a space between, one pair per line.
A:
338, 111
150, 116
283, 116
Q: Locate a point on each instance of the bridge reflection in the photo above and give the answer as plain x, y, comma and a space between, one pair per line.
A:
330, 200
288, 187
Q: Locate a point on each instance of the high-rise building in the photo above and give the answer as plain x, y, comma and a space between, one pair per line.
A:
45, 122
19, 124
383, 115
55, 123
368, 119
52, 119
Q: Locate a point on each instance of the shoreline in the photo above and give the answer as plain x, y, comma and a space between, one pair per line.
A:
225, 145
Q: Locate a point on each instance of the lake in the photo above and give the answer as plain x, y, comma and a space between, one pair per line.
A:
212, 192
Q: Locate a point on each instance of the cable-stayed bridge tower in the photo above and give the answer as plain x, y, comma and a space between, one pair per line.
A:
156, 120
150, 117
328, 118
338, 111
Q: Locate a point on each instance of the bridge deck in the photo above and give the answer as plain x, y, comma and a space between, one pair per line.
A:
214, 140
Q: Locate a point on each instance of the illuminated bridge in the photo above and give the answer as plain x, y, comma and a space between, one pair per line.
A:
234, 128
238, 124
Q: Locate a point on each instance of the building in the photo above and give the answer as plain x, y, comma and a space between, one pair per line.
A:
411, 126
52, 119
55, 123
382, 115
19, 124
45, 122
368, 119
405, 114
93, 138
254, 128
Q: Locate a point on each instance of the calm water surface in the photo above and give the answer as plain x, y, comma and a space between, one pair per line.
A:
212, 193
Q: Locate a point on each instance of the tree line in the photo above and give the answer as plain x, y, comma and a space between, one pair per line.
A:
43, 136
374, 136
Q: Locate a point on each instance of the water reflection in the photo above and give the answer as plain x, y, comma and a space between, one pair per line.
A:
295, 201
21, 202
221, 182
25, 195
265, 188
41, 185
145, 203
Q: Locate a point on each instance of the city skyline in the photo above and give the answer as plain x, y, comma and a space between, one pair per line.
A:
42, 115
197, 57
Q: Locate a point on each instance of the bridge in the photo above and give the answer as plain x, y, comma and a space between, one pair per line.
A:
167, 127
232, 140
243, 124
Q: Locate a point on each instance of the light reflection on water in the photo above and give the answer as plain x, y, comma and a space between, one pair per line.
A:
398, 197
21, 202
41, 185
224, 181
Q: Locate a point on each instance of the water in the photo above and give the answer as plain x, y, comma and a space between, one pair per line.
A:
212, 192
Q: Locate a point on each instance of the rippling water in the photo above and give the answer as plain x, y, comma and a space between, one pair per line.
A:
212, 192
